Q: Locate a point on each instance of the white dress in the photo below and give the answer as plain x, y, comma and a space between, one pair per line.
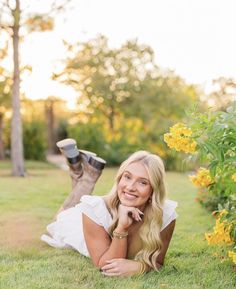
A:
67, 230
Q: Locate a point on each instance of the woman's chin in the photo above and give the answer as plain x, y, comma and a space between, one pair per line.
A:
128, 203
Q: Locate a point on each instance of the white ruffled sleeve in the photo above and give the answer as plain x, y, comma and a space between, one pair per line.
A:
95, 208
169, 213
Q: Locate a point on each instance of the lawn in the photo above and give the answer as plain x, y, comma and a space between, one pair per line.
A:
28, 204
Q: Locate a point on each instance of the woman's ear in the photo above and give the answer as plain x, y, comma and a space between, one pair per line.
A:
150, 198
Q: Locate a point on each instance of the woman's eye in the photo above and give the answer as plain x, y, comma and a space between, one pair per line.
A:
127, 177
144, 183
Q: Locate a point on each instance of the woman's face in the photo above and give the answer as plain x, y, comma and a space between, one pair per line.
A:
134, 188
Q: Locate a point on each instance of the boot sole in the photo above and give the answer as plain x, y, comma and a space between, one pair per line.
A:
65, 142
69, 149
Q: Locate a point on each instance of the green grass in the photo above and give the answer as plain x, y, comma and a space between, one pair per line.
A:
28, 204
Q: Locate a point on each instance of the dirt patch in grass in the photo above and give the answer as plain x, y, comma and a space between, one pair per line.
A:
19, 231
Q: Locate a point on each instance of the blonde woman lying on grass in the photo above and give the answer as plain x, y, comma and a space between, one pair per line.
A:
126, 232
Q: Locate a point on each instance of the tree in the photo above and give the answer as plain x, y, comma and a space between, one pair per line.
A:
106, 77
52, 116
124, 81
223, 93
163, 97
12, 19
5, 88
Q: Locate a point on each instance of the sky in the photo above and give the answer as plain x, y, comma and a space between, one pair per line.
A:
194, 38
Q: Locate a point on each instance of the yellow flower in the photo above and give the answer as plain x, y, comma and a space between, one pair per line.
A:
179, 138
221, 232
202, 179
234, 177
223, 212
180, 129
233, 256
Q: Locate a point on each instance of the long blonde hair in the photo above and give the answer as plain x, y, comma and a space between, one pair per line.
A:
151, 227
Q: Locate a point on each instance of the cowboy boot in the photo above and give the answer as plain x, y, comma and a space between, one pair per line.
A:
74, 158
85, 168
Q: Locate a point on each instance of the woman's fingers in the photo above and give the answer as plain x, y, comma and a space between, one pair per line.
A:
107, 267
128, 214
119, 267
111, 268
136, 214
140, 212
110, 264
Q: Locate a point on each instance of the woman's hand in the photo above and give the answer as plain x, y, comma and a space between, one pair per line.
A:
120, 267
127, 215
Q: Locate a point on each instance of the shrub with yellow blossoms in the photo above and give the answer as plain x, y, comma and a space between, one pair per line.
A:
224, 231
221, 232
211, 138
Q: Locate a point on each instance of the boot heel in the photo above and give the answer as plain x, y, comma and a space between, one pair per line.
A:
97, 162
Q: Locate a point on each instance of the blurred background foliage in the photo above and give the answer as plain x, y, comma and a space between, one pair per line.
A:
126, 102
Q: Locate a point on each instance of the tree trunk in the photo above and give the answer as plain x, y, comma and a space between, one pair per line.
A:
49, 113
111, 117
2, 155
17, 155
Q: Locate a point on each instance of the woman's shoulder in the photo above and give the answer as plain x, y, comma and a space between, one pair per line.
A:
95, 208
95, 201
169, 212
169, 206
92, 200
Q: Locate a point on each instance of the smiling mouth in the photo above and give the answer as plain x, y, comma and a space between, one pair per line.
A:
130, 196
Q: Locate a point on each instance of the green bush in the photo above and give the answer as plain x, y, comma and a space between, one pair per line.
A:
215, 133
113, 147
89, 137
211, 138
34, 140
62, 129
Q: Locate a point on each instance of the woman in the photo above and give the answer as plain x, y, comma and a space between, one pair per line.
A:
126, 232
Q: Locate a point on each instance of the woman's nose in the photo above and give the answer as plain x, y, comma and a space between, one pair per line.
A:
131, 186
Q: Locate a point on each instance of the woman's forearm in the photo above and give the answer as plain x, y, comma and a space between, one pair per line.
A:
117, 248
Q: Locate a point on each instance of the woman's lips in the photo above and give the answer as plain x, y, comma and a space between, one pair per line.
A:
129, 196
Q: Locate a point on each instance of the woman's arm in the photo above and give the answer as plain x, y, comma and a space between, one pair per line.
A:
124, 267
100, 246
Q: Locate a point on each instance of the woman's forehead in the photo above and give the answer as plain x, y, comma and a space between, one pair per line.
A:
138, 169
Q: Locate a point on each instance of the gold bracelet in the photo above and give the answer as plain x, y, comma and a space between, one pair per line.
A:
119, 235
142, 269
